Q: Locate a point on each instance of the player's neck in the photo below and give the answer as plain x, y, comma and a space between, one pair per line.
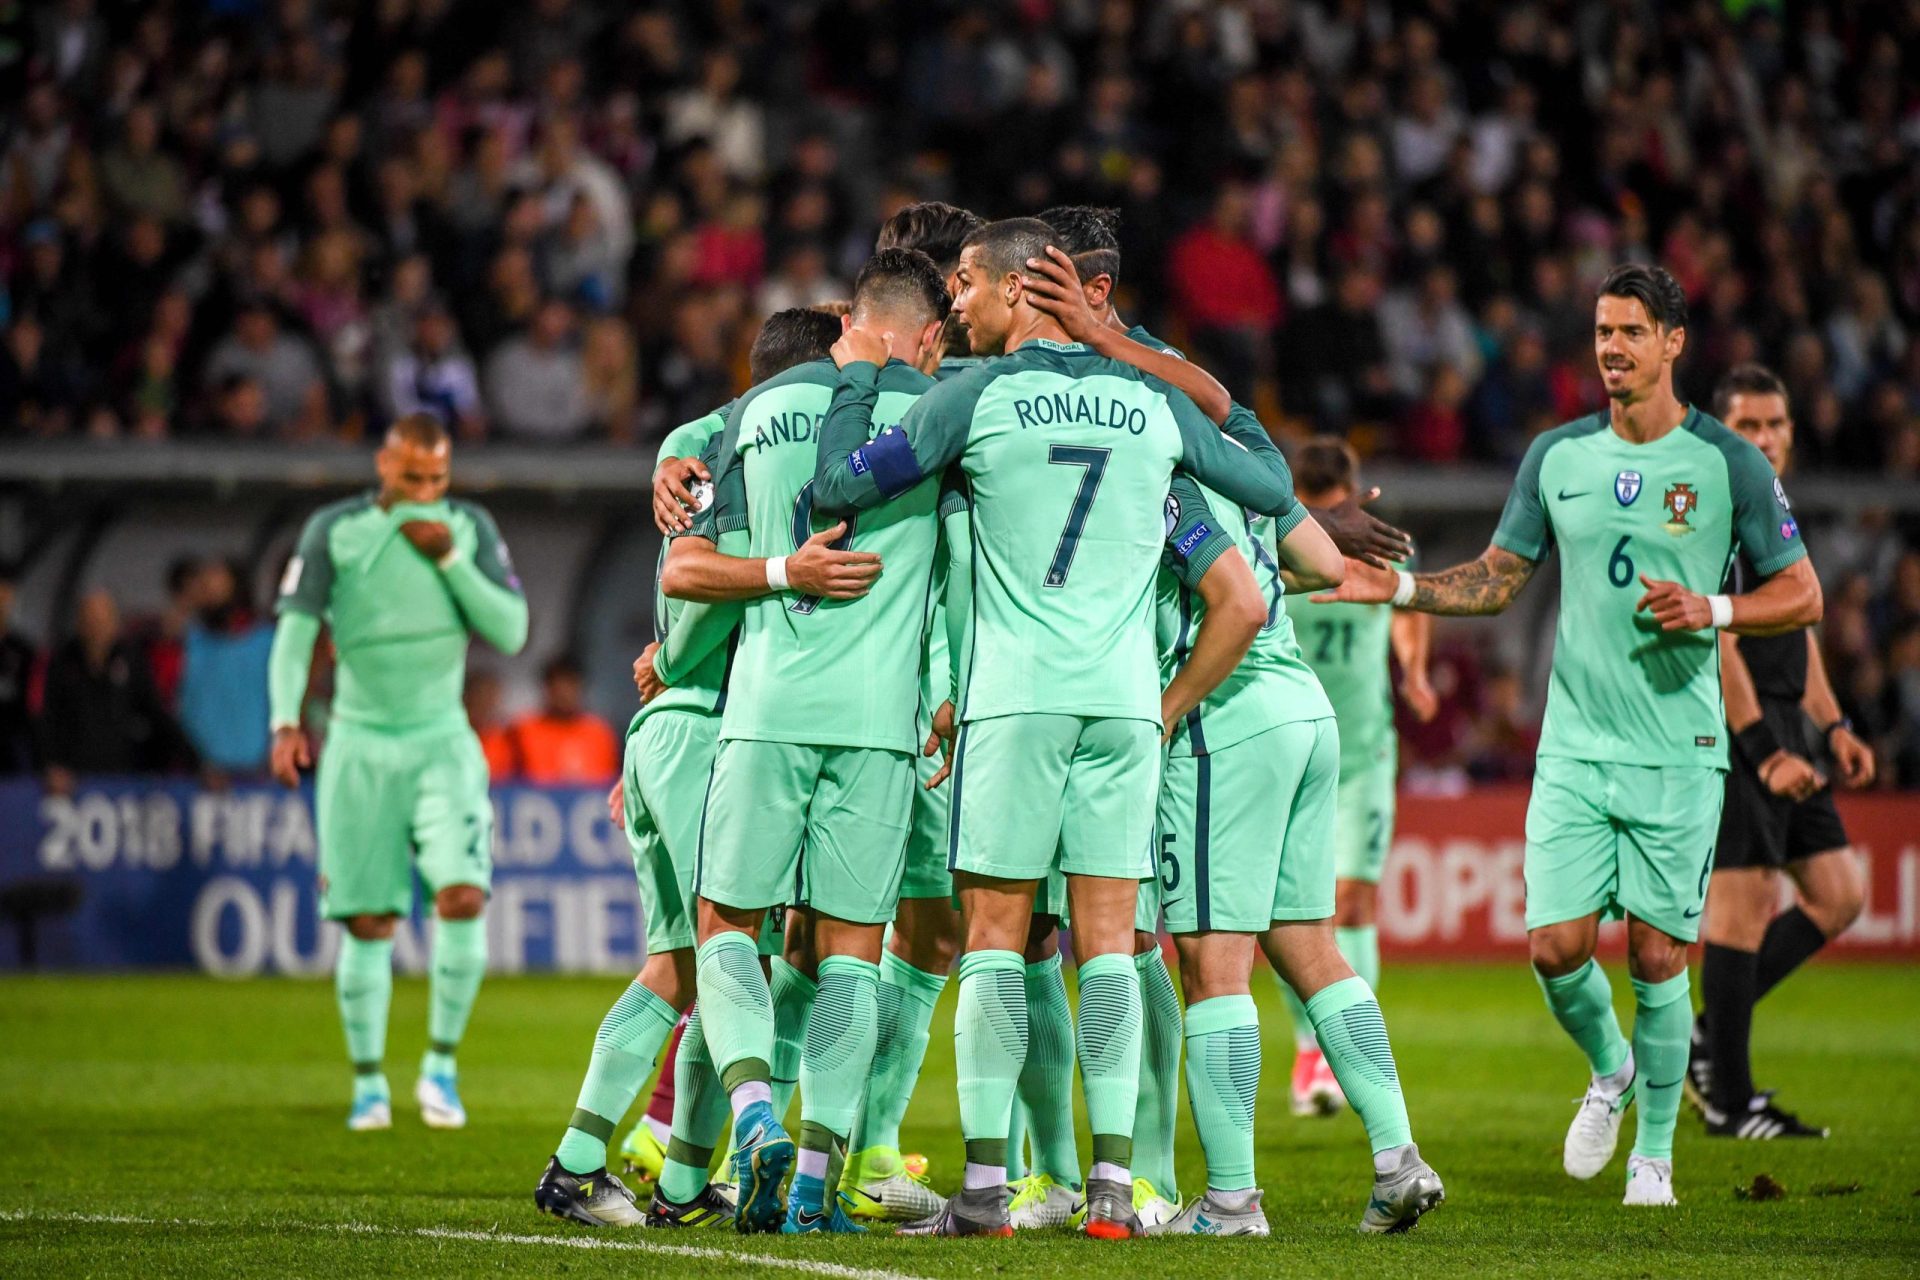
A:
1028, 324
1644, 421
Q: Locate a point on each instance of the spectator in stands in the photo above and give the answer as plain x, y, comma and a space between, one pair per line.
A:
223, 672
100, 713
482, 699
137, 176
534, 382
283, 367
1225, 293
1425, 326
161, 639
607, 361
18, 659
435, 376
40, 390
563, 742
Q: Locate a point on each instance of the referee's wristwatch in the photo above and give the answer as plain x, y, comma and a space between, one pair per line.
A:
1826, 734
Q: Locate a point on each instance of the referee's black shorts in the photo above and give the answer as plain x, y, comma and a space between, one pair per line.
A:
1760, 829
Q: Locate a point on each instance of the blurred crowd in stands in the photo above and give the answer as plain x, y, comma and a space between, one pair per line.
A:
562, 219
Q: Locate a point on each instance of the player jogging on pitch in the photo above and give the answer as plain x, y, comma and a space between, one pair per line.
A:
1645, 502
401, 577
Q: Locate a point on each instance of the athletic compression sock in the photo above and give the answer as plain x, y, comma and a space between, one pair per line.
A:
738, 1011
363, 986
623, 1056
459, 965
699, 1116
1662, 1017
1360, 944
793, 994
1354, 1037
1046, 1080
1223, 1083
1017, 1130
906, 997
1727, 980
1108, 1040
836, 1061
1157, 1105
1788, 943
659, 1114
1582, 1003
989, 1045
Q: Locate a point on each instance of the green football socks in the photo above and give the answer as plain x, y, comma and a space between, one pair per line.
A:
1360, 944
1046, 1078
1108, 1041
1662, 1026
699, 1116
793, 994
1582, 1003
904, 1010
1223, 1082
1353, 1035
737, 1008
459, 966
630, 1039
990, 1046
363, 986
838, 1053
1156, 1107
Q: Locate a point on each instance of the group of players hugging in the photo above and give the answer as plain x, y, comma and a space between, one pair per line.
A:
984, 616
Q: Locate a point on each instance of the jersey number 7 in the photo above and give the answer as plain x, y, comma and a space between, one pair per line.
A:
1095, 461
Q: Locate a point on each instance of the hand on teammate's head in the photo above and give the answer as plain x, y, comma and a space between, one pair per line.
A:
858, 344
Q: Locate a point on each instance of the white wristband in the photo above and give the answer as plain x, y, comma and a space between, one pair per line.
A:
1721, 608
1403, 591
777, 572
448, 560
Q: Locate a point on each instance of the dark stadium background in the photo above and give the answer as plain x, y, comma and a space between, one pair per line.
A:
237, 238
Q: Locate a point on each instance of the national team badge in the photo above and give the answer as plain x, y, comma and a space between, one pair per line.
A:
1626, 487
1681, 502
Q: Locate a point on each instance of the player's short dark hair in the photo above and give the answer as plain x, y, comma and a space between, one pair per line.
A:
1006, 245
422, 430
1748, 380
934, 227
1090, 236
180, 573
901, 282
1654, 288
791, 337
1324, 463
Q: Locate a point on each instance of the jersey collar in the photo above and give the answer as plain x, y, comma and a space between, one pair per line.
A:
1048, 344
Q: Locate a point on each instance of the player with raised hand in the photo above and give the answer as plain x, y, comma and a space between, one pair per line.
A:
1058, 701
1646, 502
1779, 816
669, 755
809, 759
401, 577
1347, 645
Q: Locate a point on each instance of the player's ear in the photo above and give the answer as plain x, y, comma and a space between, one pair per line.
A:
846, 321
1676, 342
1099, 289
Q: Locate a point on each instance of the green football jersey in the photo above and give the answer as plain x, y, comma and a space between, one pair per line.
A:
399, 622
808, 670
1347, 645
1068, 457
1273, 684
1622, 690
699, 689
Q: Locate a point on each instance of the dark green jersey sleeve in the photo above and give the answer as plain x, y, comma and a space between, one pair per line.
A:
1762, 517
1524, 527
855, 471
309, 577
727, 513
1238, 460
1195, 537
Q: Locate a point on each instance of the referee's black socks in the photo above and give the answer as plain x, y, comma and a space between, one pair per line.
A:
1729, 981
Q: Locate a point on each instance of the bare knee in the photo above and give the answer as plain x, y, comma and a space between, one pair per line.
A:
670, 975
1559, 949
1831, 892
926, 934
371, 928
1653, 956
460, 902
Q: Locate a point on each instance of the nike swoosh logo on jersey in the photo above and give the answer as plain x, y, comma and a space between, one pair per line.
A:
1564, 495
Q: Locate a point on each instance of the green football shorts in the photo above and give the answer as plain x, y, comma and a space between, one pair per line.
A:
1038, 792
1245, 831
388, 805
821, 826
1363, 819
1622, 839
927, 875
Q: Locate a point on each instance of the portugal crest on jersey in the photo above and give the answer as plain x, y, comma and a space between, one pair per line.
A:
1626, 487
1681, 502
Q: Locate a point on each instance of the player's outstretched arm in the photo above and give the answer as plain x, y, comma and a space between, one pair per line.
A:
1308, 559
697, 570
854, 471
1234, 615
1788, 601
1239, 462
1484, 585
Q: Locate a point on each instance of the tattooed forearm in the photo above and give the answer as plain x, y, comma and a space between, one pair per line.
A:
1486, 585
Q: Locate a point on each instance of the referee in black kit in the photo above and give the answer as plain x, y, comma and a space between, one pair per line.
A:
1790, 744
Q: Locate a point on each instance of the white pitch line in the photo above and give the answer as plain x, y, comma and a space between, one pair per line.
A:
806, 1265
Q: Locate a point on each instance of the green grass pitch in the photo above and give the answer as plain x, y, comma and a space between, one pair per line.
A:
180, 1126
